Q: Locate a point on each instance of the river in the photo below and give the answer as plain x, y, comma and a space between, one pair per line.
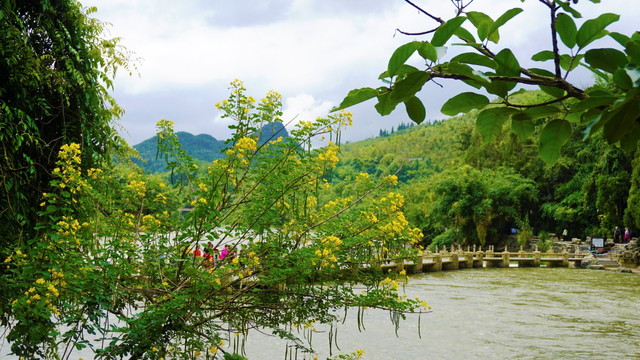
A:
517, 313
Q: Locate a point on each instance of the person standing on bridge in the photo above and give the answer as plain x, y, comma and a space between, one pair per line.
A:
627, 235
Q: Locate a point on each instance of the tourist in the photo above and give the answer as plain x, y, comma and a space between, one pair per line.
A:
224, 252
216, 257
197, 253
616, 235
627, 235
565, 234
231, 253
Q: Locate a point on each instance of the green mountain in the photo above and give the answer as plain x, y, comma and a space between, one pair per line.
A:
201, 147
204, 148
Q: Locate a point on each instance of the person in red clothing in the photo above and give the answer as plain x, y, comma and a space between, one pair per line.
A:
224, 252
197, 252
627, 235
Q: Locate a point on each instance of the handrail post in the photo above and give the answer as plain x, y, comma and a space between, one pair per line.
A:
505, 258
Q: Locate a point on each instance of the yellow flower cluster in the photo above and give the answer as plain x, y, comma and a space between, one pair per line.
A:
362, 177
68, 226
389, 283
95, 174
391, 180
164, 129
138, 187
68, 169
246, 145
330, 155
396, 226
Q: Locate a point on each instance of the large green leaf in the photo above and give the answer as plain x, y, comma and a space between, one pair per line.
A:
463, 103
553, 91
404, 69
619, 38
356, 96
608, 60
568, 62
386, 104
490, 121
415, 109
409, 86
523, 128
554, 135
401, 55
446, 30
537, 112
622, 80
594, 29
482, 22
465, 35
428, 51
466, 70
544, 55
493, 34
632, 48
566, 28
592, 102
622, 121
476, 59
507, 63
629, 142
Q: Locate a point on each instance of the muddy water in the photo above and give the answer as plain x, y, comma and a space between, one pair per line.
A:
534, 313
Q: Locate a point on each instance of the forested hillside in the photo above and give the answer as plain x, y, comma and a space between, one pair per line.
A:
461, 189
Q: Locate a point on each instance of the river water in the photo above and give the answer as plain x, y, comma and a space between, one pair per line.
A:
528, 313
517, 313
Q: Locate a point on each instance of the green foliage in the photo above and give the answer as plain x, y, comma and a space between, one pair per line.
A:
525, 232
544, 241
446, 238
112, 243
55, 73
478, 203
613, 108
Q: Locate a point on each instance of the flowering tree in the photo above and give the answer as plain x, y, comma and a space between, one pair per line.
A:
611, 106
115, 273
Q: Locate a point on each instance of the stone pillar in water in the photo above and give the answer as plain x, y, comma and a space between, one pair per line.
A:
505, 258
437, 262
479, 262
417, 266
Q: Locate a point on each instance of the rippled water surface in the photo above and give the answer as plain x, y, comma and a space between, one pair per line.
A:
533, 313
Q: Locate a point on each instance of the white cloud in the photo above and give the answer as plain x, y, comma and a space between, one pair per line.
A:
311, 51
303, 107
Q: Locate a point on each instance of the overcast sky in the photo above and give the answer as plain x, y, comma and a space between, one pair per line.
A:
311, 51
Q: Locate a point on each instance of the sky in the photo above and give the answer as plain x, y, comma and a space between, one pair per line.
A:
311, 51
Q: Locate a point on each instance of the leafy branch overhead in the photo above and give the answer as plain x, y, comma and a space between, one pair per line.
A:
612, 105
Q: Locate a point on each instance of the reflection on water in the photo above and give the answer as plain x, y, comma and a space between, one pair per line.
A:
533, 313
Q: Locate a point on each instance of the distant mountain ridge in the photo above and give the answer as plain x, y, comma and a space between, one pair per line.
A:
202, 147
